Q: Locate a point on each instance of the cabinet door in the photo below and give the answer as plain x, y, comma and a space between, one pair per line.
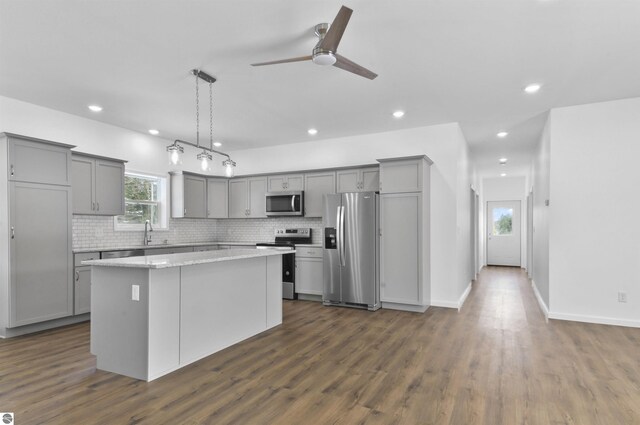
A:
37, 162
316, 185
195, 197
238, 196
369, 181
217, 198
347, 181
82, 184
41, 285
400, 250
82, 290
109, 188
277, 184
309, 276
257, 189
401, 176
295, 182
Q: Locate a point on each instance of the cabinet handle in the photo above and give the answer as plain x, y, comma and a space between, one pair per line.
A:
93, 206
13, 233
98, 205
185, 211
208, 213
12, 170
77, 276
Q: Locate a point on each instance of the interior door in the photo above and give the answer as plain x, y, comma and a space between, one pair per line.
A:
503, 233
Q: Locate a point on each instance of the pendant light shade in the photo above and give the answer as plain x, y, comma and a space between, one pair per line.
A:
175, 152
229, 167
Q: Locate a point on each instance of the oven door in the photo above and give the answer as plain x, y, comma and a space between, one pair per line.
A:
284, 203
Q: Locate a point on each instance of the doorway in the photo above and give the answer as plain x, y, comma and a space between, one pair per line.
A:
503, 233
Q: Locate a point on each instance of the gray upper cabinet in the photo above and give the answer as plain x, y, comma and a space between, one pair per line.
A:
357, 180
246, 197
238, 189
285, 182
217, 198
195, 197
316, 186
97, 184
188, 195
399, 175
36, 162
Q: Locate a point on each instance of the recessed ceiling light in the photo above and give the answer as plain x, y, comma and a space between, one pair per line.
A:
154, 132
95, 108
312, 131
398, 114
502, 134
532, 88
217, 144
503, 175
503, 160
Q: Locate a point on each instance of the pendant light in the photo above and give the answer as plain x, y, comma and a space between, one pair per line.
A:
205, 157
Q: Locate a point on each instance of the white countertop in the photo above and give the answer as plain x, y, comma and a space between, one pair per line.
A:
177, 245
185, 259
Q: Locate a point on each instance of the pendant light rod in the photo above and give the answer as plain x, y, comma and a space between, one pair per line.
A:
200, 147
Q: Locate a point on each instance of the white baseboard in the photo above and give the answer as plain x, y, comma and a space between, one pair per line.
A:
464, 296
594, 319
454, 304
543, 306
405, 307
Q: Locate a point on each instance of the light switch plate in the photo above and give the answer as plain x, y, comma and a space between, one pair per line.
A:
135, 292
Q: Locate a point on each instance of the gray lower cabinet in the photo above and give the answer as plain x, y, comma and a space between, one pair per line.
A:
316, 186
309, 269
82, 282
40, 285
98, 185
217, 198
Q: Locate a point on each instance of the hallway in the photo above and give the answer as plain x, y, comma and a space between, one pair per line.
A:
494, 362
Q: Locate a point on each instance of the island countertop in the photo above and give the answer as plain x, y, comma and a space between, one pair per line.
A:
185, 259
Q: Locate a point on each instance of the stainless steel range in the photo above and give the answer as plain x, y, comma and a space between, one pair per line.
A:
286, 239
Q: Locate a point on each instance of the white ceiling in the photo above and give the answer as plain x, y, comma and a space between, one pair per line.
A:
440, 60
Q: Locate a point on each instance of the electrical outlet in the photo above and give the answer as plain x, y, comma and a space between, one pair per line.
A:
135, 292
622, 297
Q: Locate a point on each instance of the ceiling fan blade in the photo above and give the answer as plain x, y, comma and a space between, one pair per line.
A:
334, 35
299, 59
347, 65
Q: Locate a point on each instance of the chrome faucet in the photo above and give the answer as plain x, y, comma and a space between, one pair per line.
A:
147, 236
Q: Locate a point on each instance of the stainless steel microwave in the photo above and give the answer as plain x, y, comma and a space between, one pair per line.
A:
284, 203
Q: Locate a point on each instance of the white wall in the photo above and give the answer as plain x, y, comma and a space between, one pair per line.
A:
505, 189
464, 210
444, 144
594, 245
540, 176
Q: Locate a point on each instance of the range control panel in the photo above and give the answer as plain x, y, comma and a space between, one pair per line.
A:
300, 232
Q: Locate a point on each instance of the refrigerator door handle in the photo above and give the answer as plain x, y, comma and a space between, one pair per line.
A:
338, 235
342, 236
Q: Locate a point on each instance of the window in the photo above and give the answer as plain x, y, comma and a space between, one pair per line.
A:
144, 199
502, 221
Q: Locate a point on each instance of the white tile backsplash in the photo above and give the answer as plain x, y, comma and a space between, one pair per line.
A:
97, 231
261, 229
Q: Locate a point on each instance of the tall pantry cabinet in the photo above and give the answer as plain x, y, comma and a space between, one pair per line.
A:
405, 272
35, 231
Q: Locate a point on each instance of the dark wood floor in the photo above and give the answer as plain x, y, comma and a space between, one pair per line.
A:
495, 362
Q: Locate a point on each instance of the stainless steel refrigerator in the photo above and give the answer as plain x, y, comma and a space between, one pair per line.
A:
351, 250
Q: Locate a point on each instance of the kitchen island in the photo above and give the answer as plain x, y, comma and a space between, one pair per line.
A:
154, 314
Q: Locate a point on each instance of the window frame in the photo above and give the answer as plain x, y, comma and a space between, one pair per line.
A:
162, 203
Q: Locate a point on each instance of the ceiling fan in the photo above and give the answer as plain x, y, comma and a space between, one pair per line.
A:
325, 52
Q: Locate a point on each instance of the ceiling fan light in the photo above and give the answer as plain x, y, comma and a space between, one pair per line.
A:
324, 59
